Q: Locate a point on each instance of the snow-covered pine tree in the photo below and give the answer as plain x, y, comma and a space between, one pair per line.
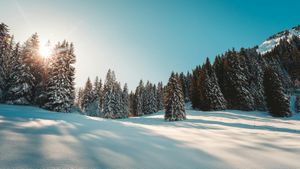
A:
194, 88
255, 65
139, 97
125, 102
5, 43
19, 89
35, 66
277, 102
175, 102
112, 94
149, 99
79, 99
160, 96
88, 99
132, 105
60, 83
211, 95
236, 87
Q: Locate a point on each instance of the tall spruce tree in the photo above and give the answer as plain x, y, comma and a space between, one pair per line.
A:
175, 100
19, 90
5, 44
34, 63
277, 102
112, 97
236, 88
60, 82
125, 102
211, 96
160, 96
139, 97
194, 88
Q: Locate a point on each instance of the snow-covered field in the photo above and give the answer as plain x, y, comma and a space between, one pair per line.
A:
34, 138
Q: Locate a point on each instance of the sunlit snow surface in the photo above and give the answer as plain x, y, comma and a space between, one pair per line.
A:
35, 138
269, 44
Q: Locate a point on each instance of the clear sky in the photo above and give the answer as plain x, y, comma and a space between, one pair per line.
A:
147, 38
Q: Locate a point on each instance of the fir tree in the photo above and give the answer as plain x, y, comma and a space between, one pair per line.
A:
19, 90
34, 65
160, 96
139, 97
125, 102
175, 101
211, 96
89, 108
60, 83
236, 87
5, 44
112, 97
194, 88
277, 102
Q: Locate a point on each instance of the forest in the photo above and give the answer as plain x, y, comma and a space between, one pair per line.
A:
240, 80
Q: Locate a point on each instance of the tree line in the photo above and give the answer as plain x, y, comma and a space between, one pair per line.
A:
241, 80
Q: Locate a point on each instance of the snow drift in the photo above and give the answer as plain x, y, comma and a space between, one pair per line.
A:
34, 138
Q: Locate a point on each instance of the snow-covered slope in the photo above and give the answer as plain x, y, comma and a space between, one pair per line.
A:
274, 40
35, 138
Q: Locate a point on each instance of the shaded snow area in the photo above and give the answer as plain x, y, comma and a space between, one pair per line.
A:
35, 138
271, 43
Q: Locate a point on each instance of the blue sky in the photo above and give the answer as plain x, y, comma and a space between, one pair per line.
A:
147, 38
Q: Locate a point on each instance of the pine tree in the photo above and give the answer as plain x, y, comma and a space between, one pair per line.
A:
175, 101
160, 96
34, 65
194, 88
132, 104
211, 96
89, 107
5, 44
112, 97
60, 83
139, 97
19, 89
236, 87
277, 102
125, 102
255, 65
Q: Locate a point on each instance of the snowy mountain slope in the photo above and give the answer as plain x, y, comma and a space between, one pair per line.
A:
35, 138
274, 40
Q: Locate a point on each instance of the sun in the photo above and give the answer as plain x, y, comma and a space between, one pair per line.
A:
45, 51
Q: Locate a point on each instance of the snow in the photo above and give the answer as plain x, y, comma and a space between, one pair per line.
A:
34, 138
269, 44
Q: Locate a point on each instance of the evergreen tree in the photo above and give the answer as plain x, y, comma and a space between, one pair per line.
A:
160, 96
34, 66
175, 101
139, 97
236, 87
125, 102
277, 102
88, 105
5, 44
211, 96
112, 96
19, 89
194, 88
60, 83
132, 104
